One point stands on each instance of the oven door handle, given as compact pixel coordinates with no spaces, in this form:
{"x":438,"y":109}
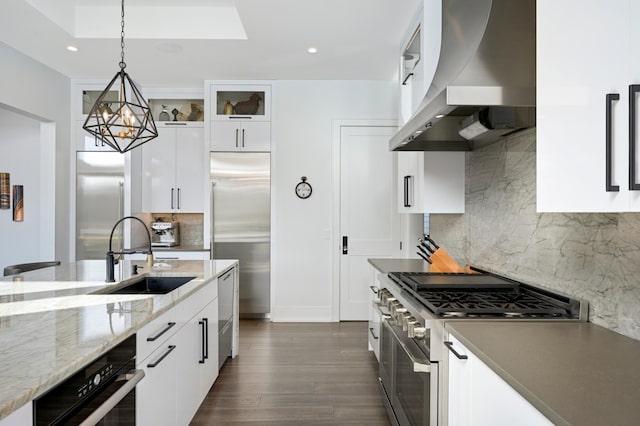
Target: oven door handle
{"x":420,"y":364}
{"x":132,"y":378}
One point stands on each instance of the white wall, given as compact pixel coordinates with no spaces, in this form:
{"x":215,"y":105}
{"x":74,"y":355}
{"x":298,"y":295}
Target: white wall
{"x":20,"y":155}
{"x":31,"y":87}
{"x":304,"y":112}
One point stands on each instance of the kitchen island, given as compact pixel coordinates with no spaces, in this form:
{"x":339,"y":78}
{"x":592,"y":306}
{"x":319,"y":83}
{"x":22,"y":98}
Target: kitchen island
{"x":53,"y":321}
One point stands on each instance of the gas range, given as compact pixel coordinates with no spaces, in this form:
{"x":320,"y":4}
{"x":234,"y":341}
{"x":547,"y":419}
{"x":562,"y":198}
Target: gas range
{"x":414,"y":307}
{"x":485,"y":296}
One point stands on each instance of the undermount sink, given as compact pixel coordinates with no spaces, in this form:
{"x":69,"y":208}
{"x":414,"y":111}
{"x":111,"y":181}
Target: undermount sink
{"x":151,"y":285}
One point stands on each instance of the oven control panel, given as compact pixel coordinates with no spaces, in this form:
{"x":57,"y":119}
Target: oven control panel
{"x":93,"y":380}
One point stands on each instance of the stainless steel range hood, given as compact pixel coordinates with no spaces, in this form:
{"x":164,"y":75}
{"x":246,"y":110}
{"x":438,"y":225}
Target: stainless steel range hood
{"x":484,"y":83}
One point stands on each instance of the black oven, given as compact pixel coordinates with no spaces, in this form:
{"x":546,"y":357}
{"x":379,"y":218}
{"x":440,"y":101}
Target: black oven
{"x":101,"y":393}
{"x":409,"y":379}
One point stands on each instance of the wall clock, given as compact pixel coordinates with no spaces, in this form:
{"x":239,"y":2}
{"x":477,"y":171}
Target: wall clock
{"x":303,"y":189}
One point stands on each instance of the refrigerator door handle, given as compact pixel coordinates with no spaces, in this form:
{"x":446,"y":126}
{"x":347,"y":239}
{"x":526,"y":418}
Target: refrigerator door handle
{"x":213,"y":187}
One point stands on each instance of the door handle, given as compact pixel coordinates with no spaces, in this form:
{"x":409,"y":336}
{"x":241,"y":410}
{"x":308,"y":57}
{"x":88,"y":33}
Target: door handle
{"x":345,"y":245}
{"x":610,"y":98}
{"x":243,"y":138}
{"x":456,"y":353}
{"x":172,"y":190}
{"x":178,"y":198}
{"x":236,"y":138}
{"x":633,"y":89}
{"x":206,"y":337}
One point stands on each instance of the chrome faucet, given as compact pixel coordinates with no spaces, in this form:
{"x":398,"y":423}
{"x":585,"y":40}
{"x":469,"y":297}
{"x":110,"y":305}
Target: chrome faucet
{"x":111,"y":260}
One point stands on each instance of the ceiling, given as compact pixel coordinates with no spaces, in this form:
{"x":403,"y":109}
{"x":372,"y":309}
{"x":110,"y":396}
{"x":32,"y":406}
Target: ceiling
{"x":180,"y":46}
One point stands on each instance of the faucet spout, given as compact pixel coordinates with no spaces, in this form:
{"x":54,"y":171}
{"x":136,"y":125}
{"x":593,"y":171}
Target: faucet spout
{"x":110,"y":254}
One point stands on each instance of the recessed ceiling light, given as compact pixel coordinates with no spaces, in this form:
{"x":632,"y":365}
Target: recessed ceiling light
{"x":72,"y":48}
{"x":312,"y":50}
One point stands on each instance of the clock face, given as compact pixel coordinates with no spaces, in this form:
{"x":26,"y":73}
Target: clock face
{"x":303,"y":190}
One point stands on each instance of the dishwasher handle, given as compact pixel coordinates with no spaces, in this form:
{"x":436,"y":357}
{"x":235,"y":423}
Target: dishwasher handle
{"x":132,"y":378}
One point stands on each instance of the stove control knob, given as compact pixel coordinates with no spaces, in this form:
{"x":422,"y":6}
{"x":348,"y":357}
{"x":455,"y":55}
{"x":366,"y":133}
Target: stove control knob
{"x":406,"y":321}
{"x":419,"y":333}
{"x":398,"y":313}
{"x":392,"y":305}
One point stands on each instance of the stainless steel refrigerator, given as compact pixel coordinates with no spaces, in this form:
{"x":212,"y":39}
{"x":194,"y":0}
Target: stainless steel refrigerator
{"x":241,"y":222}
{"x":99,"y":202}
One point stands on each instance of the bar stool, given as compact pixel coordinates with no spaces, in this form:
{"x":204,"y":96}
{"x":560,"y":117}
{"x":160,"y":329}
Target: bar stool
{"x":25,"y":267}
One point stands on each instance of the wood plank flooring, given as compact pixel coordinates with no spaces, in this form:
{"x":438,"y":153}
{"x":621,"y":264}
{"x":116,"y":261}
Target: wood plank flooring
{"x":303,"y":374}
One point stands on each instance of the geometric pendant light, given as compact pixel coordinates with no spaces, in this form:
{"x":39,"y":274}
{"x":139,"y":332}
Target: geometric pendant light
{"x":124,"y":124}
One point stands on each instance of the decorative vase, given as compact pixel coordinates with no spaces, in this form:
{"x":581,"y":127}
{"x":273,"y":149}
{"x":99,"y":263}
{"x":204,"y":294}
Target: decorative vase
{"x":164,"y":115}
{"x":228,"y":108}
{"x":175,"y":113}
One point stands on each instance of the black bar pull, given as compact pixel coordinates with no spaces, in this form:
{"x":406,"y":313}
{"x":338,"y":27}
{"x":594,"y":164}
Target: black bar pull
{"x":157,"y":336}
{"x":243,"y":138}
{"x":172,"y":190}
{"x":407,"y":188}
{"x":345,"y":246}
{"x":633,"y":89}
{"x":237,"y":138}
{"x":204,"y":331}
{"x":608,"y":134}
{"x":206,"y":337}
{"x":372,"y":333}
{"x":164,"y":355}
{"x":458,"y":355}
{"x":404,"y":82}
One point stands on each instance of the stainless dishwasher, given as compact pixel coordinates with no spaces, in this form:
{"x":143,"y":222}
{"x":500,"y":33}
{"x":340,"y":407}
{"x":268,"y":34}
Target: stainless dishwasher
{"x":225,"y":315}
{"x":102,"y":392}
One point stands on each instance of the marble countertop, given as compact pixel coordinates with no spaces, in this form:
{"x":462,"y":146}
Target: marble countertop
{"x":575,"y":373}
{"x":52,"y":322}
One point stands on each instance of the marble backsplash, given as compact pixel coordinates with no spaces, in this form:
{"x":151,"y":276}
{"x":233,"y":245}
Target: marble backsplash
{"x":594,"y":257}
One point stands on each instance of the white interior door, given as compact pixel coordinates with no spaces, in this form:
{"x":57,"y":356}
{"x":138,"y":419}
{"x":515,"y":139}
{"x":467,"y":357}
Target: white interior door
{"x":369,"y":221}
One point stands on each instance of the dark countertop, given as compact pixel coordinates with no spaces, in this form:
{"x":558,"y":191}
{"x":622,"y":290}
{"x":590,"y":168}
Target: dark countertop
{"x":399,"y":265}
{"x":575,"y":373}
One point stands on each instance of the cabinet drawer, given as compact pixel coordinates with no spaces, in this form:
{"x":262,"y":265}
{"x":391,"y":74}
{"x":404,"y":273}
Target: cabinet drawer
{"x":157,"y":332}
{"x":197,"y":301}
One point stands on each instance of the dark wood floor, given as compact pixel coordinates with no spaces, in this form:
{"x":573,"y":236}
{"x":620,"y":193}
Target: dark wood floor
{"x":303,"y":374}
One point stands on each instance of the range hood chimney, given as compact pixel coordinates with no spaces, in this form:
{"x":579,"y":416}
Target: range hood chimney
{"x":483,"y":87}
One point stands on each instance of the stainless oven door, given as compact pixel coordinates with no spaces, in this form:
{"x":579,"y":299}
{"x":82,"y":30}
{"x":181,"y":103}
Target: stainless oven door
{"x":409,"y":378}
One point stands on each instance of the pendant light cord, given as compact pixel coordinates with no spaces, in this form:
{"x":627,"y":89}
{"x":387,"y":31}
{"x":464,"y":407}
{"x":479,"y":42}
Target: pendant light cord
{"x":122,"y":64}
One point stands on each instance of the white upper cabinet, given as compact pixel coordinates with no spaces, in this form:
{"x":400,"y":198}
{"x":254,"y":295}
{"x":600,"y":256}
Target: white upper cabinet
{"x":239,"y":115}
{"x":583,"y":55}
{"x":431,"y":182}
{"x":173,"y":170}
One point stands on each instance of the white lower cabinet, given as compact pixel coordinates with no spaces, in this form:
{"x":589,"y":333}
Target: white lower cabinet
{"x":478,"y":396}
{"x":374,"y":316}
{"x":183,"y":360}
{"x":22,"y":416}
{"x":156,"y":394}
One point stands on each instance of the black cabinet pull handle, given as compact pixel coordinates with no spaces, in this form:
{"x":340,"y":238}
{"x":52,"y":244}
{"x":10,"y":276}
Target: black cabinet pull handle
{"x":404,"y":82}
{"x":408,"y":191}
{"x":633,"y":89}
{"x":345,"y":246}
{"x":157,"y":336}
{"x":172,"y":190}
{"x":236,"y":138}
{"x":206,"y":337}
{"x":164,"y":355}
{"x":243,"y":138}
{"x":372,"y":333}
{"x":458,"y":355}
{"x":204,"y":332}
{"x":178,"y":198}
{"x":610,"y":98}
{"x":374,"y":289}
